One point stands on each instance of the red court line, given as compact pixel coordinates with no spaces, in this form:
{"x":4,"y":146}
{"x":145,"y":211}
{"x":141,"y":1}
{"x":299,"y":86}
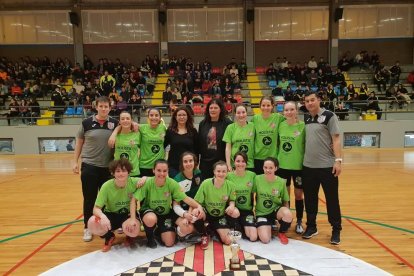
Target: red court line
{"x":198,"y":263}
{"x":179,"y":256}
{"x":386,"y":248}
{"x":17,"y":265}
{"x":389,"y":250}
{"x":219,"y":262}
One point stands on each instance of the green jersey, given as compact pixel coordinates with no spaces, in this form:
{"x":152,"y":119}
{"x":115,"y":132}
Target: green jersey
{"x":243,"y":186}
{"x":151,"y":145}
{"x":126,"y":146}
{"x":159,"y":199}
{"x":269,"y":195}
{"x":241,"y":138}
{"x":214,"y":199}
{"x":265,"y":144}
{"x":114,"y":199}
{"x":292,"y":145}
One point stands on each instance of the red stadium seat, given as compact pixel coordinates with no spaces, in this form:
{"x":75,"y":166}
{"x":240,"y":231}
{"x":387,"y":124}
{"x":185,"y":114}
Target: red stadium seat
{"x":171,"y":72}
{"x":260,"y":70}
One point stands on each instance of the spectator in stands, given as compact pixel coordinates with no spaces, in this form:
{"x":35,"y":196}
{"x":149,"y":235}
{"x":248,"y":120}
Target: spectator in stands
{"x":167,"y":96}
{"x":4,"y":92}
{"x":181,"y":136}
{"x":401,"y":88}
{"x":283,"y":84}
{"x":59,"y":104}
{"x":121,"y":105}
{"x":24,"y":111}
{"x":16,"y":90}
{"x":216,"y":89}
{"x":410,"y":79}
{"x":34,"y":110}
{"x":87,"y":106}
{"x":380,"y":81}
{"x":14,"y":110}
{"x":3,"y":74}
{"x":284,"y":63}
{"x":302,"y":79}
{"x":164,"y":63}
{"x":395,"y":71}
{"x":373,"y":104}
{"x":211,"y":132}
{"x":136,"y":104}
{"x":375,"y":60}
{"x":351,"y":89}
{"x":150,"y":83}
{"x":312,"y":64}
{"x":106,"y":83}
{"x":243,"y":70}
{"x":339,"y":78}
{"x":312,"y":77}
{"x":344,"y":64}
{"x":79,"y":87}
{"x":271,"y":72}
{"x":341,"y":107}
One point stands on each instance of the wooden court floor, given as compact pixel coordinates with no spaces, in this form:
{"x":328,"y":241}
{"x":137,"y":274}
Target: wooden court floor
{"x":41,"y":203}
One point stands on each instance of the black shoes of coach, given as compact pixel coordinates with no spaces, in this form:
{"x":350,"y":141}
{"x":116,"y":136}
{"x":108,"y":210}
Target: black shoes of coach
{"x":310,"y":232}
{"x":336,"y":237}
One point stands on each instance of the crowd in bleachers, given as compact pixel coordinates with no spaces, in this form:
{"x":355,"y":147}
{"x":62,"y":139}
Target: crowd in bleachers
{"x":74,"y":89}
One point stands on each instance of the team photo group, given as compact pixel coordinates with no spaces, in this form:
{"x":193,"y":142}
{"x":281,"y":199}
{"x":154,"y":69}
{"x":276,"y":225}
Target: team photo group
{"x":179,"y":183}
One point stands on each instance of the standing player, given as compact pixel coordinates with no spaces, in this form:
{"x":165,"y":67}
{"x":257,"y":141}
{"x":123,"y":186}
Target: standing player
{"x":243,"y":184}
{"x":321,"y":165}
{"x":152,"y":142}
{"x":266,"y":127}
{"x":239,"y":136}
{"x":91,"y":145}
{"x":291,"y":151}
{"x":272,"y":202}
{"x":126,"y":143}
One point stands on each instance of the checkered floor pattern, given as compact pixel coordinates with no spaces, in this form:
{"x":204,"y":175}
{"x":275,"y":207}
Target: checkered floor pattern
{"x":252,"y":265}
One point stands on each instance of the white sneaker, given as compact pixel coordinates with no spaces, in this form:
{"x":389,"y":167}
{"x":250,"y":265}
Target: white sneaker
{"x":299,"y":228}
{"x":87,"y":235}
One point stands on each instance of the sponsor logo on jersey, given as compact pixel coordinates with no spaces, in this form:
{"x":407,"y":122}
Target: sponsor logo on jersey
{"x":225,"y":197}
{"x":275,"y":192}
{"x":249,"y":184}
{"x":321,"y":119}
{"x":296,"y":133}
{"x":197,"y":180}
{"x":287,"y":146}
{"x":222,"y":221}
{"x":267,"y":204}
{"x":167,"y":194}
{"x":266,"y":140}
{"x":215,"y":212}
{"x":111,"y":125}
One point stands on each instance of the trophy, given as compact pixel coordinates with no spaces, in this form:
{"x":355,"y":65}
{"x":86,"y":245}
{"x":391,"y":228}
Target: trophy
{"x":235,"y":247}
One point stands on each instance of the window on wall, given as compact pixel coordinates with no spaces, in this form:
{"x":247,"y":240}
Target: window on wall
{"x":6,"y":146}
{"x":205,"y":25}
{"x":376,"y":21}
{"x":120,"y":26}
{"x":307,"y":23}
{"x":51,"y":27}
{"x":57,"y":145}
{"x":362,"y":140}
{"x":409,"y":139}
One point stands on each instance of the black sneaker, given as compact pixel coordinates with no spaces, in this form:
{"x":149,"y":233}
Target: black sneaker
{"x":151,"y":243}
{"x":310,"y":232}
{"x":336,"y":237}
